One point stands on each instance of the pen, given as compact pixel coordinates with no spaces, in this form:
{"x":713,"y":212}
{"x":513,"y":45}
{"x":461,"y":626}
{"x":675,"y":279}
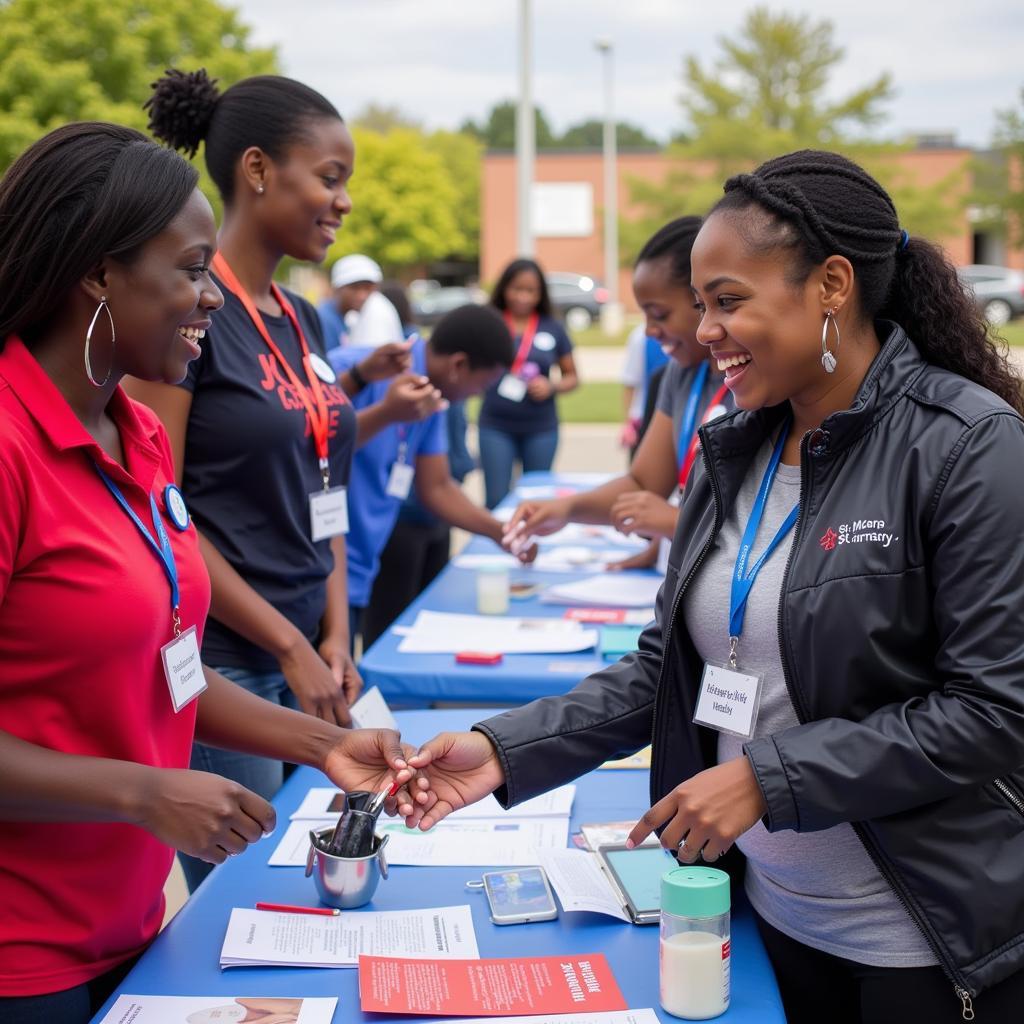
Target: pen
{"x":284,"y":908}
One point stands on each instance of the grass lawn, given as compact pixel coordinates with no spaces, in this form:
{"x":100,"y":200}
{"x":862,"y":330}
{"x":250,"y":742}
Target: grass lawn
{"x":1013,"y":332}
{"x":597,"y":402}
{"x":594,"y":337}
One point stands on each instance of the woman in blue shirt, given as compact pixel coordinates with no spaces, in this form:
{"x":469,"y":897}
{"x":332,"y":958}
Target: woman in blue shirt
{"x":518,"y":418}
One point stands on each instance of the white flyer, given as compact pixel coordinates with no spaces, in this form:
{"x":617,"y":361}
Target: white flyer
{"x":259,"y":938}
{"x":220,"y":1010}
{"x":321,"y":802}
{"x":449,"y":633}
{"x":372,"y":712}
{"x":580,"y":884}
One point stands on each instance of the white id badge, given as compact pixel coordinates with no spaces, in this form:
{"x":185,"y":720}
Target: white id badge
{"x":400,"y":480}
{"x":729,"y":700}
{"x":513,"y":388}
{"x":328,"y":513}
{"x":183,"y":668}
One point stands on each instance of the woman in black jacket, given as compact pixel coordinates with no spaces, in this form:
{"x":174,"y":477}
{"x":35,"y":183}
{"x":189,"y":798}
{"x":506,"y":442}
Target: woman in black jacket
{"x":849,"y":554}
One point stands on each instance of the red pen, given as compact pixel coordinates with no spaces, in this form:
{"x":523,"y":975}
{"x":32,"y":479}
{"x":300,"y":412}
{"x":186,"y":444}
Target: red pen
{"x":284,"y":908}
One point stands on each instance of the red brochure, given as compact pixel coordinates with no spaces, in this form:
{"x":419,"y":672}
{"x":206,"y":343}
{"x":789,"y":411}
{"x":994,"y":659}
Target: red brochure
{"x":488,"y":988}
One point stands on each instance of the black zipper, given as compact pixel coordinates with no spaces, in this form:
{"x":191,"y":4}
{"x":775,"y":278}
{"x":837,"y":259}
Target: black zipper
{"x":716,"y":526}
{"x":960,"y":985}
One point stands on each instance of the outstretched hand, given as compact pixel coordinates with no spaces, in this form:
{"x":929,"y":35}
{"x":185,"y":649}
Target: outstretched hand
{"x":460,"y":768}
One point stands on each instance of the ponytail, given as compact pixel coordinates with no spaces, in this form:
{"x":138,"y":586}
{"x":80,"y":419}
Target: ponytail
{"x":821,"y":204}
{"x":927,"y":299}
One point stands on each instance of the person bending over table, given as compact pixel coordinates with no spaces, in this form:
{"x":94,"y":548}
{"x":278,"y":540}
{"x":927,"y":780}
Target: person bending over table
{"x":645,"y":500}
{"x":851,"y":547}
{"x":105,"y":250}
{"x":468,"y":350}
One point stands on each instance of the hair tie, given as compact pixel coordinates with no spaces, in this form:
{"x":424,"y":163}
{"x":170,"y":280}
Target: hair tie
{"x":904,"y":240}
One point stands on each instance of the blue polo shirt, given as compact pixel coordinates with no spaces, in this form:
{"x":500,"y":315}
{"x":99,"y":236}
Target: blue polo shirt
{"x":333,"y":324}
{"x":372,"y":512}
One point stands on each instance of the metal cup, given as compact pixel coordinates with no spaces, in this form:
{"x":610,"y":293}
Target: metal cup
{"x":345,"y":882}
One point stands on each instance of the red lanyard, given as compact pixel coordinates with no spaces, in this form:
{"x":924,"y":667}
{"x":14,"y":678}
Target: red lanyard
{"x":691,"y":452}
{"x":312,"y":397}
{"x":527,"y":340}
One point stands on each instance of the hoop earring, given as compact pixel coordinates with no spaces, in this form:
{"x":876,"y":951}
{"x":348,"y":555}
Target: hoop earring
{"x":828,"y":358}
{"x":88,"y":340}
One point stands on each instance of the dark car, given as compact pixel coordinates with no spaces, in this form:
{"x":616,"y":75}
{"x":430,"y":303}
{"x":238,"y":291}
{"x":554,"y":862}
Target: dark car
{"x":998,"y":291}
{"x":576,"y":298}
{"x":430,"y":305}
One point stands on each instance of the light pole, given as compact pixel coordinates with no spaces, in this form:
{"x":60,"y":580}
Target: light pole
{"x":525,"y":135}
{"x":611,"y":312}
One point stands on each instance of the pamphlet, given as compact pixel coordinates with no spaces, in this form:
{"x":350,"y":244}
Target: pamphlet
{"x":259,"y":938}
{"x":220,"y":1010}
{"x":490,"y":988}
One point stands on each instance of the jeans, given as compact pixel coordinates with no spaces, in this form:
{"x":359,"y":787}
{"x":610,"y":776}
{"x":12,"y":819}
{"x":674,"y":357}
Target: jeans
{"x":817,"y":987}
{"x":75,"y":1005}
{"x":499,"y":451}
{"x":259,"y":774}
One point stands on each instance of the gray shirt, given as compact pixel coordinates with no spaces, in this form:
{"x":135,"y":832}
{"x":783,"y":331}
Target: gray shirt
{"x":820,"y":888}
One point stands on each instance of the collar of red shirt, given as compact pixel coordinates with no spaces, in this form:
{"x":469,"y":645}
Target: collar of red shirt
{"x":47,"y":406}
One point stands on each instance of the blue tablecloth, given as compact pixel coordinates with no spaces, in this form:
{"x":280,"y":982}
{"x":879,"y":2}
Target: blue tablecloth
{"x":417,"y":680}
{"x":185,"y":956}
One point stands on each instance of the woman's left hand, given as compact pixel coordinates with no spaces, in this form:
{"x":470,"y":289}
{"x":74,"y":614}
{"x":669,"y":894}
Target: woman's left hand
{"x":710,"y":812}
{"x":335,"y":652}
{"x":540,"y":389}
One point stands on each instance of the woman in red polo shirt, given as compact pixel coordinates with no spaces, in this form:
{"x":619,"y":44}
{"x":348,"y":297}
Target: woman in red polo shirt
{"x":105,"y":248}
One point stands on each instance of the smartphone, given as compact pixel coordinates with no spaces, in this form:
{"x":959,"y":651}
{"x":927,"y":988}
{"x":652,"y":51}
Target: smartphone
{"x":635,"y":876}
{"x":518,"y":897}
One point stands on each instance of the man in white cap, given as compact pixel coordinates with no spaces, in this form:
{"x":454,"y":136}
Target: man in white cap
{"x":356,"y":313}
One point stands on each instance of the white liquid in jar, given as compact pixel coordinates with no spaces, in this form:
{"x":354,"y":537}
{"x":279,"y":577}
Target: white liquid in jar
{"x":694,"y":975}
{"x":492,"y":593}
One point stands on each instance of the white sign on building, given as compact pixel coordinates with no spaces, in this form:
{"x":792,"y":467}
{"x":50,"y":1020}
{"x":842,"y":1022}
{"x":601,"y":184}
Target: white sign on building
{"x":563,"y":209}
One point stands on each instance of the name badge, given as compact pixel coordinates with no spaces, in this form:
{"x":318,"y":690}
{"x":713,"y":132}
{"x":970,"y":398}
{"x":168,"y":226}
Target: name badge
{"x":729,"y":700}
{"x":328,"y":513}
{"x":183,"y":668}
{"x":400,"y":480}
{"x":513,"y":388}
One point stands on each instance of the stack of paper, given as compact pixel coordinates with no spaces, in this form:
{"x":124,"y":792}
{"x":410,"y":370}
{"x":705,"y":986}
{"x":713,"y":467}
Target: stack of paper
{"x":448,"y":633}
{"x":481,"y":835}
{"x":614,"y":590}
{"x":259,"y":938}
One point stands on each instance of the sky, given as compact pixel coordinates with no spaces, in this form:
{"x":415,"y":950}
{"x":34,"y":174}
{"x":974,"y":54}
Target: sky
{"x":442,"y":61}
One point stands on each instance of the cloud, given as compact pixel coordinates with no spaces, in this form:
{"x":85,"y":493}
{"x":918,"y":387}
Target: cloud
{"x":445,"y":60}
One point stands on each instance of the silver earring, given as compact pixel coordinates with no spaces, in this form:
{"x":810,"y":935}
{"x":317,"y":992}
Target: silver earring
{"x":828,"y":358}
{"x":259,"y":190}
{"x":88,"y":340}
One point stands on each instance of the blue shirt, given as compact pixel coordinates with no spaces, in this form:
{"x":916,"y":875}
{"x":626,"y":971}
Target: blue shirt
{"x":333,"y":324}
{"x":372,"y":512}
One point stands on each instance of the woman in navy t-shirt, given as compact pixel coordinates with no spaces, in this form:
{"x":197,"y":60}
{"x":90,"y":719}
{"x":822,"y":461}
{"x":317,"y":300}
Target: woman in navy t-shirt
{"x":518,"y":418}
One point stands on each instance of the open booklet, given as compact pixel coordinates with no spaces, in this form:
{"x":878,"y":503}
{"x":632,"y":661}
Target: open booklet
{"x":258,"y":938}
{"x":220,"y":1010}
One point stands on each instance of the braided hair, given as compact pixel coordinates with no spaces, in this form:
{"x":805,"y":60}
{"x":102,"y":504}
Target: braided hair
{"x":814,"y":204}
{"x":673,"y":240}
{"x":267,"y":111}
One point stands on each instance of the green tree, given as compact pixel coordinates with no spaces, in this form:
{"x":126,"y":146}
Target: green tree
{"x":590,"y":135}
{"x":383,"y":118}
{"x":998,"y":194}
{"x":95,"y":59}
{"x":499,"y":130}
{"x":462,"y":154}
{"x":766,"y":94}
{"x":404,"y":201}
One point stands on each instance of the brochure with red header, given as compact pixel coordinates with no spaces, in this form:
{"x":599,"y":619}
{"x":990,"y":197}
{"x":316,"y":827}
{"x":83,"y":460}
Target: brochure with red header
{"x":488,"y":988}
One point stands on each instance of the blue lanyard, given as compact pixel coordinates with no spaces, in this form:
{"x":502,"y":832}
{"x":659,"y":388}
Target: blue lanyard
{"x":689,"y":421}
{"x":743,"y":577}
{"x":162,"y":549}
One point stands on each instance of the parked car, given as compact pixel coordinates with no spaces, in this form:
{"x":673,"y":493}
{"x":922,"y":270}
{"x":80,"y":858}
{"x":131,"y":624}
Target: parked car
{"x":429,"y":306}
{"x":998,"y":291}
{"x":577,"y":298}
